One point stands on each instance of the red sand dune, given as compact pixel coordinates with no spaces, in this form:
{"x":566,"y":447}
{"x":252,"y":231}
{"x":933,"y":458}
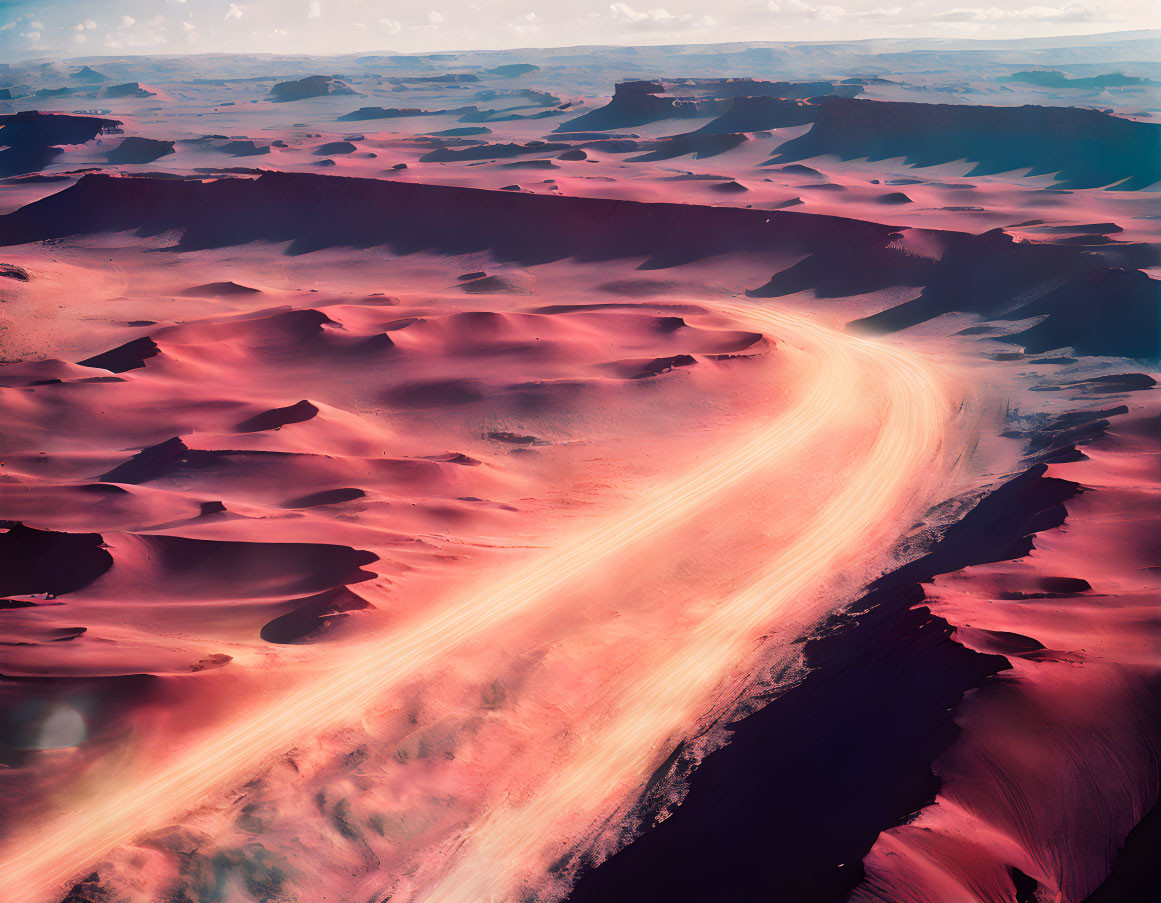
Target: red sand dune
{"x":619,"y":535}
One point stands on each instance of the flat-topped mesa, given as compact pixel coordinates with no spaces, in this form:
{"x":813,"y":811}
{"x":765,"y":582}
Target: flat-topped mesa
{"x":311,"y":86}
{"x":1082,"y":148}
{"x":637,"y":88}
{"x":32,"y":128}
{"x":537,"y":98}
{"x":638,"y":103}
{"x":513,"y":70}
{"x":1049,"y":78}
{"x":128,"y":90}
{"x":364,"y":113}
{"x":140,"y":150}
{"x":32,"y":140}
{"x":759,"y":113}
{"x":315,"y":211}
{"x":726,"y":88}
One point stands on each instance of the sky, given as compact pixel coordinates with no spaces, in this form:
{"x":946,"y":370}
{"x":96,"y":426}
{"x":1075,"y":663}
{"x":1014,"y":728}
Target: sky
{"x":77,"y":28}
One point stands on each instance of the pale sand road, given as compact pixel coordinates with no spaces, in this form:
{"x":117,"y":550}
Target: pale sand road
{"x":653,"y":712}
{"x":46,"y":857}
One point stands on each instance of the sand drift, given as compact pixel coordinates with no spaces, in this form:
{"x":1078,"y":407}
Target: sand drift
{"x":636,"y":723}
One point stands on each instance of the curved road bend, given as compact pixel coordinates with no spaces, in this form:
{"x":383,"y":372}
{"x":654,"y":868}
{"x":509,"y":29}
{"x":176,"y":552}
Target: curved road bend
{"x":651,"y":712}
{"x":41,"y":863}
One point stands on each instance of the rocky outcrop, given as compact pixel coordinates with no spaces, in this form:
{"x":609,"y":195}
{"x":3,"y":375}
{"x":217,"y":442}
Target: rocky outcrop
{"x":311,"y":86}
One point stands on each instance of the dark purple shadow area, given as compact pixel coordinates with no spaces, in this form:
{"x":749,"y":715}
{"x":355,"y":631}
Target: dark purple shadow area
{"x":1084,"y":148}
{"x":1094,"y":307}
{"x":44,"y":561}
{"x":1136,"y":875}
{"x":789,"y":807}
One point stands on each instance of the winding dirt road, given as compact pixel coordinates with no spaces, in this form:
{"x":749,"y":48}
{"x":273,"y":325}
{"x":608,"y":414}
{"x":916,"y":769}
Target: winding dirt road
{"x":644,"y":716}
{"x":652,"y":714}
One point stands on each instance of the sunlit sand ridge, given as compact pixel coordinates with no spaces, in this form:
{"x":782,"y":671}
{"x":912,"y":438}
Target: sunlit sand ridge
{"x":648,"y":712}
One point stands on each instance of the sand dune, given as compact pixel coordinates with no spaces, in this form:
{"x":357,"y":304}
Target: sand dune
{"x":242,"y":747}
{"x":603,"y":473}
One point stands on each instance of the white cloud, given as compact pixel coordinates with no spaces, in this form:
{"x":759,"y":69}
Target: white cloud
{"x":799,"y":9}
{"x":525,"y":24}
{"x":188,"y":26}
{"x":80,"y":38}
{"x":323,"y":25}
{"x":625,"y":11}
{"x":1070,"y":12}
{"x":131,"y":33}
{"x":658,"y":17}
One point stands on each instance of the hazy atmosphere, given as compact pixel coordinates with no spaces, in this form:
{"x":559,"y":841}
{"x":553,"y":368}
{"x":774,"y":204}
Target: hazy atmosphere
{"x":79,"y":28}
{"x":585,"y":452}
